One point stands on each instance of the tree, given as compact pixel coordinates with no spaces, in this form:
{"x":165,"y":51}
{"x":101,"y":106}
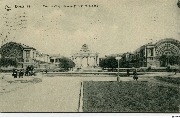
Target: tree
{"x":102,"y":64}
{"x":66,"y":63}
{"x":5,"y":62}
{"x":171,"y":60}
{"x":178,"y":4}
{"x":162,"y":60}
{"x":109,"y":62}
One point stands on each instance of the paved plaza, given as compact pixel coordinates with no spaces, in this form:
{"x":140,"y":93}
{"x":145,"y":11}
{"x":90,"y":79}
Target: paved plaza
{"x":53,"y":94}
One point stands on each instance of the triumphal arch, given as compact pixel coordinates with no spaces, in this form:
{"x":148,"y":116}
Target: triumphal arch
{"x":85,"y":58}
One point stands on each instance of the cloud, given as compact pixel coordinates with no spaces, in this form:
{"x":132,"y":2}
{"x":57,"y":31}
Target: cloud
{"x":113,"y":27}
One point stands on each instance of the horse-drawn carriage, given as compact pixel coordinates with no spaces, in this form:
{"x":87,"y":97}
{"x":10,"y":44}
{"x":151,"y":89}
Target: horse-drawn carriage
{"x":29,"y":71}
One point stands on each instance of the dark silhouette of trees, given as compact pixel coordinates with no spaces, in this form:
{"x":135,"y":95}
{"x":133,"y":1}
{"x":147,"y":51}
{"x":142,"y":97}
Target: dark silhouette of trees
{"x":170,"y":60}
{"x":108,"y":62}
{"x":5,"y":62}
{"x":66,"y":63}
{"x":178,"y":4}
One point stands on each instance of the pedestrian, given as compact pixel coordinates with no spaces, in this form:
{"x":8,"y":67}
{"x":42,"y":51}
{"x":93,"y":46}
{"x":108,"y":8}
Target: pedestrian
{"x":27,"y":71}
{"x":135,"y":75}
{"x":21,"y":73}
{"x":15,"y":73}
{"x":128,"y":72}
{"x":175,"y":71}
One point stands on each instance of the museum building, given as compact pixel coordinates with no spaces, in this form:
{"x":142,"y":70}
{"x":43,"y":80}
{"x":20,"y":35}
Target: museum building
{"x":165,"y":52}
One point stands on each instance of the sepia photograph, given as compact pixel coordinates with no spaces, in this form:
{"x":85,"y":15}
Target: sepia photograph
{"x":90,"y":56}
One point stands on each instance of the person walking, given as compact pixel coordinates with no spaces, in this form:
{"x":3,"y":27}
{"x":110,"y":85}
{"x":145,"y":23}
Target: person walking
{"x":175,"y":71}
{"x":128,"y":74}
{"x":135,"y":75}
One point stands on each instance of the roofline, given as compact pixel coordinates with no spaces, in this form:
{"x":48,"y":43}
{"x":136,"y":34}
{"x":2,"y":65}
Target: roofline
{"x":20,"y":45}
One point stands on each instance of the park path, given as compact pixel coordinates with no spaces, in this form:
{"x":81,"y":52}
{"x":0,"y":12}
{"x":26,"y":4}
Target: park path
{"x":53,"y":94}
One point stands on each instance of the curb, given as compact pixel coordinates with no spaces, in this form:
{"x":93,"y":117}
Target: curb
{"x":80,"y":104}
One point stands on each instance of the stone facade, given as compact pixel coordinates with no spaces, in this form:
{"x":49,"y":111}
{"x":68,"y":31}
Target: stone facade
{"x":55,"y":61}
{"x":149,"y":54}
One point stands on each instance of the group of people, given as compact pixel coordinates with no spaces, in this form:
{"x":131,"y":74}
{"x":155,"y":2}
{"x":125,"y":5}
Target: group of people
{"x":20,"y":73}
{"x":17,"y":73}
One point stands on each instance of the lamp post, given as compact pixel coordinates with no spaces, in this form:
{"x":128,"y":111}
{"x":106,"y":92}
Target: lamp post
{"x":118,"y":78}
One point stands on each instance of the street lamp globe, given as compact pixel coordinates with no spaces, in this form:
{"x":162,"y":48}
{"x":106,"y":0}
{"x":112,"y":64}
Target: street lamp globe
{"x":118,"y":58}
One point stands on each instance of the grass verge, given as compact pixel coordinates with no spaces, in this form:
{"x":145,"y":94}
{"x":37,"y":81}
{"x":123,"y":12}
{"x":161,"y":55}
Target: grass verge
{"x":173,"y":80}
{"x":103,"y":96}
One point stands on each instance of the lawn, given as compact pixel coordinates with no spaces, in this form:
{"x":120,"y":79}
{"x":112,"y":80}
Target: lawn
{"x":173,"y":80}
{"x":103,"y":96}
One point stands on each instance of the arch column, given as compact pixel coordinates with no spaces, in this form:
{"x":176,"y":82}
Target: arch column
{"x":87,"y":61}
{"x":81,"y":61}
{"x":94,"y":60}
{"x":97,"y":60}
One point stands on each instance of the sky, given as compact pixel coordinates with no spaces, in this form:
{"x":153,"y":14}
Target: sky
{"x":115,"y":26}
